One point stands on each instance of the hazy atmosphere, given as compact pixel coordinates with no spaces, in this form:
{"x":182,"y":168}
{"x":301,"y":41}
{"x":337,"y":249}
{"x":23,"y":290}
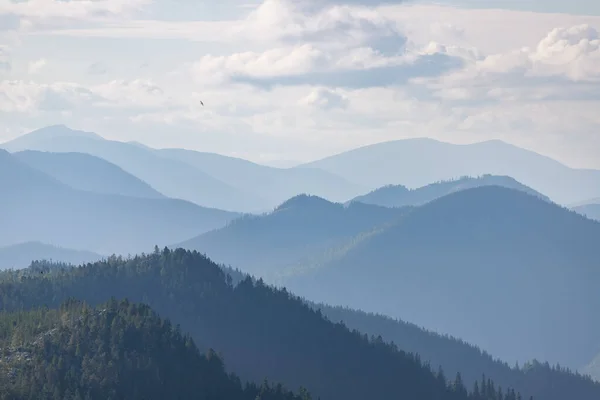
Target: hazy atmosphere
{"x":299,"y":200}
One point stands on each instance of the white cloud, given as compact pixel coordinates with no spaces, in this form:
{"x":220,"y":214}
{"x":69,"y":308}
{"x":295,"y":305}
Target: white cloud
{"x":572,"y":53}
{"x":293,"y":21}
{"x":274,"y":62}
{"x":320,"y":64}
{"x":36,"y":66}
{"x":325,"y":98}
{"x":564,"y":64}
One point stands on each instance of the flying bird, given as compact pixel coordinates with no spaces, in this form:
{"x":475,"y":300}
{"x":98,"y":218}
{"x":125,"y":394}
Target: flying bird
{"x":202,"y":103}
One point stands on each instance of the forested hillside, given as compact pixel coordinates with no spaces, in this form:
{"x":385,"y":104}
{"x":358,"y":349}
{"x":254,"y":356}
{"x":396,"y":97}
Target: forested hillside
{"x":261,"y":332}
{"x":118,"y":350}
{"x":537,"y":379}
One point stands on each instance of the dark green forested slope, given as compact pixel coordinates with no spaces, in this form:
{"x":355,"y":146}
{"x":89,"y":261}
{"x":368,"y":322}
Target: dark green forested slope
{"x":118,"y":350}
{"x":536,"y":379}
{"x":262,"y":332}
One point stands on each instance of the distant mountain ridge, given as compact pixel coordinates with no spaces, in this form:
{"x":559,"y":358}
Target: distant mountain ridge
{"x":591,"y":211}
{"x":37,"y":207}
{"x":435,"y":256}
{"x":219,"y":181}
{"x":170,"y":177}
{"x":21,"y":255}
{"x":418,"y":162}
{"x":401,"y":196}
{"x":294,"y":233}
{"x":89,"y":173}
{"x":49,"y":133}
{"x":275,"y":185}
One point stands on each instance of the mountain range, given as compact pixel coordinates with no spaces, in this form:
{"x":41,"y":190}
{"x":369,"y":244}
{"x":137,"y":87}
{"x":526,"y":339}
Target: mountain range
{"x":529,"y":260}
{"x":486,"y":254}
{"x":450,"y":262}
{"x":209,"y":180}
{"x":36,"y":207}
{"x":295,"y":233}
{"x":239,"y":185}
{"x":88,"y":173}
{"x":418,"y":162}
{"x":401,"y":196}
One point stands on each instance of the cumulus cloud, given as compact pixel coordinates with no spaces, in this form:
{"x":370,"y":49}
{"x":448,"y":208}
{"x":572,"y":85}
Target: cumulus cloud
{"x":274,"y":62}
{"x":571,"y":53}
{"x":336,"y":46}
{"x":565,"y":64}
{"x":295,"y":21}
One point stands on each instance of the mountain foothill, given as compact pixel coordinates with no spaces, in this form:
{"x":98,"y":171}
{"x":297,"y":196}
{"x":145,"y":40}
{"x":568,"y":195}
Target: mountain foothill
{"x":369,"y":274}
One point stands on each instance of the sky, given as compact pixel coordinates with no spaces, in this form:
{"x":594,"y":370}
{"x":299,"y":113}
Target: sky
{"x":295,"y":80}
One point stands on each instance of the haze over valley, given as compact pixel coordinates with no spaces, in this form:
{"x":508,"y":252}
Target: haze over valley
{"x":299,"y":200}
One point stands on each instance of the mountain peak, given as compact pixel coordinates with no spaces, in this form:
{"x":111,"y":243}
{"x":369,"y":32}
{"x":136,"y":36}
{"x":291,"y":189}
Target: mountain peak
{"x":304,"y":200}
{"x":61,"y":130}
{"x":400,"y":196}
{"x":33,"y":139}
